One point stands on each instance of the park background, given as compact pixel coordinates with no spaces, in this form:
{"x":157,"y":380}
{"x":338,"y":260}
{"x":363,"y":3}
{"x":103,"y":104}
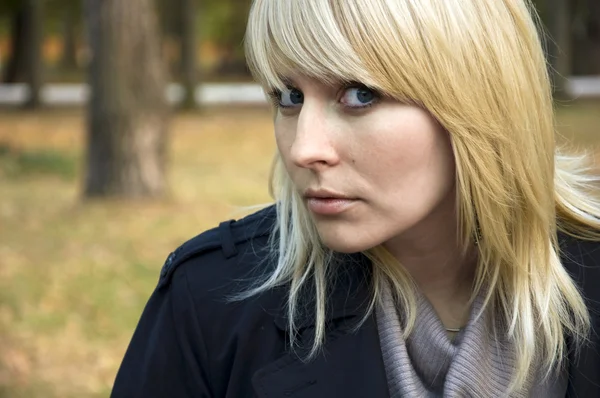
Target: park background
{"x":85,"y":225}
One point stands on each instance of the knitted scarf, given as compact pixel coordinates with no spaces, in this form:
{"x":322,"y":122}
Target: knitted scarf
{"x":474,"y":364}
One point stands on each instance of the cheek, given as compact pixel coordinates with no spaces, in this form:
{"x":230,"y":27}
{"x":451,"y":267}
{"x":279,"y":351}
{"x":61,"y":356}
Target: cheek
{"x":436,"y":176}
{"x":442,"y":157}
{"x":418,"y":163}
{"x":284,"y":139}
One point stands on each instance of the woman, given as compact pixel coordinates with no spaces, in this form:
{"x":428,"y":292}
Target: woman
{"x":428,"y":238}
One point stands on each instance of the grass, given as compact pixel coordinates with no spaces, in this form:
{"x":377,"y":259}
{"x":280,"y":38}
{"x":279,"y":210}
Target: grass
{"x":75,"y":275}
{"x":17,"y":164}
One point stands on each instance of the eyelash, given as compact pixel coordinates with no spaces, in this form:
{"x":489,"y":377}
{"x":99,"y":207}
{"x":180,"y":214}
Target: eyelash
{"x":275,"y":97}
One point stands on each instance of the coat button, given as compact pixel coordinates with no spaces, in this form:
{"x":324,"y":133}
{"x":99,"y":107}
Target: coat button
{"x":167,"y":266}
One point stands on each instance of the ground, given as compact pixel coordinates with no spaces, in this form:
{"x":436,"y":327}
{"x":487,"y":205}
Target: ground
{"x":75,"y":275}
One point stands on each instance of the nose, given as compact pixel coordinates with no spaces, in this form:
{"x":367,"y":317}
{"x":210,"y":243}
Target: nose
{"x":314,"y":142}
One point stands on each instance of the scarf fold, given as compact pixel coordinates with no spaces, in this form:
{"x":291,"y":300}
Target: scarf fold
{"x":475,"y":364}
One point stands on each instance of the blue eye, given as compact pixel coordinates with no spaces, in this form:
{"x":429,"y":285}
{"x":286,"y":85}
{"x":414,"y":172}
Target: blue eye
{"x":358,"y":97}
{"x":290,"y":98}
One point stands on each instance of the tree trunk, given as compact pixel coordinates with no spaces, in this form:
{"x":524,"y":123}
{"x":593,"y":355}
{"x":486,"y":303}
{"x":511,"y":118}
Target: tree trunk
{"x":560,"y":46}
{"x":233,"y":62}
{"x":15,"y":66}
{"x":69,"y":53}
{"x":33,"y":50}
{"x":188,"y":52}
{"x":127,"y":112}
{"x":594,"y":36}
{"x":25,"y":62}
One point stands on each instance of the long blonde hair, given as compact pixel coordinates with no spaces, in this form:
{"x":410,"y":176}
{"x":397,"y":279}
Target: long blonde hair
{"x":478,"y":67}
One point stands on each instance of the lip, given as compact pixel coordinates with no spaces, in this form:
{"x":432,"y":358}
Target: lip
{"x":327,"y":202}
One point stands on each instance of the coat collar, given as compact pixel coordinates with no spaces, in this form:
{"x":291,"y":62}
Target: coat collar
{"x":350,"y":363}
{"x":348,"y":298}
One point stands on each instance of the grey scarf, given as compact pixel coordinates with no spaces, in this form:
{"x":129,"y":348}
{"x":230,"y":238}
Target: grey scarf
{"x":429,"y":364}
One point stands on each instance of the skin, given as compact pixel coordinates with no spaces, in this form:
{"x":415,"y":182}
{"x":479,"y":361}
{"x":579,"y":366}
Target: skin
{"x":396,"y":165}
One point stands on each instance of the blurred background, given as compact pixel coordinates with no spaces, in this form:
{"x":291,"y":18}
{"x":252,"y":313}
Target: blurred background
{"x":127,"y":127}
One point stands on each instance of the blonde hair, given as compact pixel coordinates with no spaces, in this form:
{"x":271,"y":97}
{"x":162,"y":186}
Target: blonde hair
{"x":478,"y":67}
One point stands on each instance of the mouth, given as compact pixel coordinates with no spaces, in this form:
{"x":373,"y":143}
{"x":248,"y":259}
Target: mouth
{"x":326,"y":202}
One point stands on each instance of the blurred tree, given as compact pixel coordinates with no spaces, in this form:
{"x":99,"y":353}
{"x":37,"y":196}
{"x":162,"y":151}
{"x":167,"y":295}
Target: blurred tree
{"x":167,"y":17}
{"x":25,"y":62}
{"x":127,"y":113}
{"x":178,"y":21}
{"x":560,"y":29}
{"x":586,"y":37}
{"x":65,"y":17}
{"x":13,"y":71}
{"x":594,"y":33}
{"x":224,"y":22}
{"x":71,"y":18}
{"x":189,"y":48}
{"x":580,"y":38}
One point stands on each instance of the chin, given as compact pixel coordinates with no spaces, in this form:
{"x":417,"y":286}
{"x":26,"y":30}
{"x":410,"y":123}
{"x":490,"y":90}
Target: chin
{"x":346,"y":244}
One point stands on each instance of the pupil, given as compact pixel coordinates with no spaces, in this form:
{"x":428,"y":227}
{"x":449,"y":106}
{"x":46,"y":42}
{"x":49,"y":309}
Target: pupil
{"x":364,"y":95}
{"x":296,"y":96}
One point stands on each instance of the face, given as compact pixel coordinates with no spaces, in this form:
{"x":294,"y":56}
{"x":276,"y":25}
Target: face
{"x":371,"y":170}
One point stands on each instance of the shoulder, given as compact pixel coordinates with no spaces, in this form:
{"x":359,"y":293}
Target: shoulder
{"x":213,"y":268}
{"x":243,"y":242}
{"x":191,"y":332}
{"x":208,"y":274}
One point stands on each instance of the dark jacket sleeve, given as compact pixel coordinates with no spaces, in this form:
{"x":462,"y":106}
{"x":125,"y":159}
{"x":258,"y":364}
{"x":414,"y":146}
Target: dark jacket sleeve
{"x":166,"y":356}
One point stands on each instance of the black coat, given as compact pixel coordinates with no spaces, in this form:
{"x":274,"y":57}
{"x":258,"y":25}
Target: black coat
{"x":192,"y":342}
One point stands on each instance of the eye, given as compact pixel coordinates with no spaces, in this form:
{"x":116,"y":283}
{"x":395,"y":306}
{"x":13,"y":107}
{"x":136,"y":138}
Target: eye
{"x":290,"y":97}
{"x":358,"y":97}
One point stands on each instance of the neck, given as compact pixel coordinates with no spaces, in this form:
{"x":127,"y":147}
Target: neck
{"x":439,"y":265}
